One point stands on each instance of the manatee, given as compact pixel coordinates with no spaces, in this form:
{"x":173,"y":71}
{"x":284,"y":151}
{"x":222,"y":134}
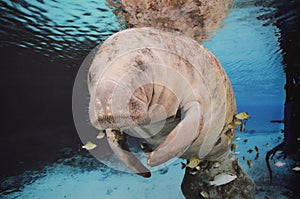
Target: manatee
{"x":164,"y":88}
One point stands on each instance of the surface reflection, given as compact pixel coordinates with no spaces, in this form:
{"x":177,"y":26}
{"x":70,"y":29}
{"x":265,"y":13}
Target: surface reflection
{"x":60,"y":30}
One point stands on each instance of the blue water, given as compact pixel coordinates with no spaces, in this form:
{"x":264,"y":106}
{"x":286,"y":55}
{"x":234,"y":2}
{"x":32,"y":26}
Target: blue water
{"x":65,"y":31}
{"x":251,"y":56}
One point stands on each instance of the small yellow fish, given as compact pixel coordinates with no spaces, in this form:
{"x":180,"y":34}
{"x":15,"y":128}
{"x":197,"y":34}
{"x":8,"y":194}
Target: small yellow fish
{"x":231,"y":125}
{"x":242,"y":116}
{"x":234,"y":146}
{"x":100,"y":135}
{"x":238,"y":122}
{"x":216,"y":164}
{"x":229,"y":140}
{"x":296,"y":169}
{"x":249,"y":163}
{"x":191,"y":163}
{"x":204,"y":194}
{"x":89,"y":146}
{"x":279,"y":164}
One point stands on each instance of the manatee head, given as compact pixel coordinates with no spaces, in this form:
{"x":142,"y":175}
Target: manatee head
{"x":117,"y":106}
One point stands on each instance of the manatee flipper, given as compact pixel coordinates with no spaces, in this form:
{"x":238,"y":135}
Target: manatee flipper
{"x":121,"y":150}
{"x":181,"y":137}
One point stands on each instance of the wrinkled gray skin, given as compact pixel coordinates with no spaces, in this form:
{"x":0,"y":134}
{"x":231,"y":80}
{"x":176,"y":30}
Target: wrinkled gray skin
{"x":164,"y":88}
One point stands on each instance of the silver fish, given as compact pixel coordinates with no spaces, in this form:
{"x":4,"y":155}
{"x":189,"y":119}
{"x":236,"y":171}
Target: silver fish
{"x":222,"y":179}
{"x":279,"y":164}
{"x":296,"y":169}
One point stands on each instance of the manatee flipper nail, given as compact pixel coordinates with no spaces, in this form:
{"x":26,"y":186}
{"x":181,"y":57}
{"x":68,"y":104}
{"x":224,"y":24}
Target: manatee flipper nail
{"x":121,"y":150}
{"x":182,"y":136}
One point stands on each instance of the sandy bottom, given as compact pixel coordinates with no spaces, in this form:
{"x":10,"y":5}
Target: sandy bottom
{"x":258,"y":171}
{"x":64,"y":180}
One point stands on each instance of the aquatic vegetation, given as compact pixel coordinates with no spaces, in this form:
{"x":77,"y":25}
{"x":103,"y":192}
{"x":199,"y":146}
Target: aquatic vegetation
{"x":197,"y":19}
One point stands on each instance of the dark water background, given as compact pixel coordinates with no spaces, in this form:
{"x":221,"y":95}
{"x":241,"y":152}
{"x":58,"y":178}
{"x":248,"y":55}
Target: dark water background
{"x":42,"y":44}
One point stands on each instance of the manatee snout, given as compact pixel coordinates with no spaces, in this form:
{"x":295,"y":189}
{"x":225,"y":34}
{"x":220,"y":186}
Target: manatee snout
{"x":114,"y":106}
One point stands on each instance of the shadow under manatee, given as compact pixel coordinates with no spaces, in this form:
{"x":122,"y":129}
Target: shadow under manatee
{"x":36,"y":113}
{"x":42,"y":45}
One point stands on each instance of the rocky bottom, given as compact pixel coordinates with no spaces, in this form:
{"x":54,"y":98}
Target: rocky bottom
{"x":195,"y":183}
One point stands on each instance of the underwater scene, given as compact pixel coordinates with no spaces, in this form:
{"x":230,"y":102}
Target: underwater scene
{"x":44,"y":48}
